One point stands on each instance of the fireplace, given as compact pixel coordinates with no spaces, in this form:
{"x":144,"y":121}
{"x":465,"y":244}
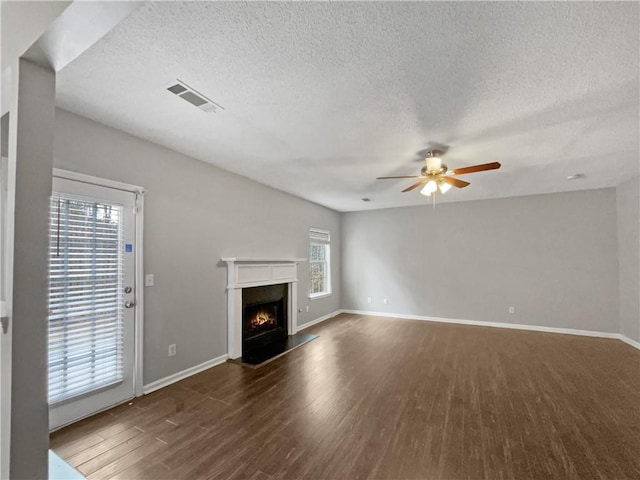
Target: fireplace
{"x":244,"y":274}
{"x":264,"y":319}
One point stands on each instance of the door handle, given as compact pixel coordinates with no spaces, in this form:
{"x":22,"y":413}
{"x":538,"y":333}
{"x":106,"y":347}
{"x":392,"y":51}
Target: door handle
{"x":129,"y":304}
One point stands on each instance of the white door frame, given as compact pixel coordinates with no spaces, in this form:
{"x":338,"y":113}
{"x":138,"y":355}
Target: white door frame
{"x":139,"y":263}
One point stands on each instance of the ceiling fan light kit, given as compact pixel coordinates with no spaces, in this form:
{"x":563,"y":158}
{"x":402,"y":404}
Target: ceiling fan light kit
{"x":429,"y":188}
{"x":443,"y":186}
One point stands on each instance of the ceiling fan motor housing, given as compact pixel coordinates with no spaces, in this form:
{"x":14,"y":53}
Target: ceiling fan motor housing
{"x":424,"y":171}
{"x":434,"y":165}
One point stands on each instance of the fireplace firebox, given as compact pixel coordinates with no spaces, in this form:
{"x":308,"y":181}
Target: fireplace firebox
{"x":264,"y":320}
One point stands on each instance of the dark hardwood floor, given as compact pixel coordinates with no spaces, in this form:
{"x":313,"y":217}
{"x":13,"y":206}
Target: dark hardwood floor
{"x":378,"y":398}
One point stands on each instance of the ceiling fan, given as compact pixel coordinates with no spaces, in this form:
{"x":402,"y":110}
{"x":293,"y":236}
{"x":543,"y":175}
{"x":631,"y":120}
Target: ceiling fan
{"x":435,"y":175}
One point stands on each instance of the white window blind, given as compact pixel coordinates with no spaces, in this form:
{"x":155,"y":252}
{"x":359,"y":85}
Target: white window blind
{"x":85,"y":296}
{"x":319,"y":236}
{"x":319,"y":264}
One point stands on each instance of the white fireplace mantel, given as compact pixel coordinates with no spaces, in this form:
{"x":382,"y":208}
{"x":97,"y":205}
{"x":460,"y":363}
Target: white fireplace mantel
{"x":245,"y":272}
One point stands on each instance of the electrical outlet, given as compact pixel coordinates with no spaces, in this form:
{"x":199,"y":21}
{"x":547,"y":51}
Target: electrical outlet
{"x":512,"y":309}
{"x":172,"y":350}
{"x":385,"y":301}
{"x":368,"y":299}
{"x":307,"y":308}
{"x":149,"y":280}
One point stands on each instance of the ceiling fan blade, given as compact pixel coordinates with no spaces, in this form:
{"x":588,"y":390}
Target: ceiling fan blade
{"x":400,"y":176}
{"x":456,"y":182}
{"x":474,"y":168}
{"x":422,"y":181}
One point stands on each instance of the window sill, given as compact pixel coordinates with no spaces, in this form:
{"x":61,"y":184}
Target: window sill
{"x":316,"y":296}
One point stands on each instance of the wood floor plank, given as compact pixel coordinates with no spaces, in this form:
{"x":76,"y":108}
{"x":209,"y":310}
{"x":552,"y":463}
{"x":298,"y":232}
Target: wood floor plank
{"x":379,"y":398}
{"x":83,"y":443}
{"x":142,"y":454}
{"x":142,"y":470}
{"x":92,"y":451}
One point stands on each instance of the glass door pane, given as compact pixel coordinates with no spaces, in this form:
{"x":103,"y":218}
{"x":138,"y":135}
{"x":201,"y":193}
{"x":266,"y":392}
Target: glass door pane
{"x":85,"y":296}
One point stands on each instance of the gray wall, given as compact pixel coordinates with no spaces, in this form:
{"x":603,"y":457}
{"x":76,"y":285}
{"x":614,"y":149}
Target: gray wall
{"x":553,"y":257}
{"x":195,"y":214}
{"x":628,"y":201}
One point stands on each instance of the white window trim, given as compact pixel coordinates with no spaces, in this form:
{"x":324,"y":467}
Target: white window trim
{"x":318,"y":296}
{"x":139,"y":263}
{"x":329,"y":292}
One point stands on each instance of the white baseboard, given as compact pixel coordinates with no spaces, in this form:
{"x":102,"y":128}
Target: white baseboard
{"x":176,"y":377}
{"x":515,"y":326}
{"x":631,"y":342}
{"x":319,"y":320}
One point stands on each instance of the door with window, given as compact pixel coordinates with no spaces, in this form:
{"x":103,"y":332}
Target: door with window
{"x":92,"y":297}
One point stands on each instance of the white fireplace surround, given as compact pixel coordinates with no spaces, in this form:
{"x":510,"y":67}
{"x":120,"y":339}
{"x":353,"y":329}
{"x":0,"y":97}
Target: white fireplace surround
{"x":245,"y":272}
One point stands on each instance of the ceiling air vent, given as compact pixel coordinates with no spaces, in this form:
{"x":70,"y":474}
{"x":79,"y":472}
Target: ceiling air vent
{"x":576,"y":176}
{"x":192,"y":96}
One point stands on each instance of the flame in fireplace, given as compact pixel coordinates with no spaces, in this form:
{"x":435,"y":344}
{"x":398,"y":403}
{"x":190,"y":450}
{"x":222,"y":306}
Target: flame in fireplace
{"x":262,"y":317}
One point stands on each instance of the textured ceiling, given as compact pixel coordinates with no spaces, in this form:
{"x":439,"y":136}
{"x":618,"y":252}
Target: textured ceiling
{"x":321,"y":98}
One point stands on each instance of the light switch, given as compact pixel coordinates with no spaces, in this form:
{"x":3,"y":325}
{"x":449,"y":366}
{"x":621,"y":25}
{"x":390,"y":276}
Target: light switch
{"x":149,"y":280}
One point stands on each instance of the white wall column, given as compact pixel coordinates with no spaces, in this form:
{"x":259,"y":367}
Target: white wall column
{"x":31,"y":131}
